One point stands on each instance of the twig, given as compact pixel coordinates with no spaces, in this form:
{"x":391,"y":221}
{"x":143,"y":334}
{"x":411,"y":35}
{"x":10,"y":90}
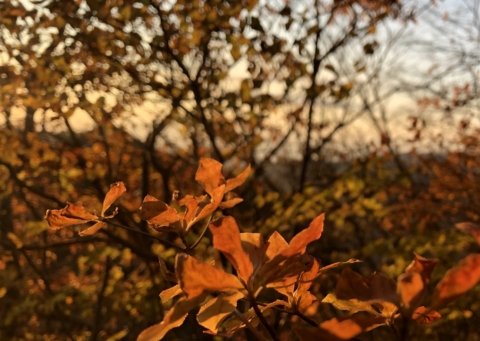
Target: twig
{"x":194,"y":245}
{"x":98,"y":310}
{"x":161,"y":240}
{"x":249,"y":325}
{"x":263,"y":320}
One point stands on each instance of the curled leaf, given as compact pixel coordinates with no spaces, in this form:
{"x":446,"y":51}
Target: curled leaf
{"x":423,"y":266}
{"x":157,"y":212}
{"x":216,"y":199}
{"x":230,"y":203}
{"x":424,"y":315}
{"x":93,"y":229}
{"x":70,"y":215}
{"x":116,"y":190}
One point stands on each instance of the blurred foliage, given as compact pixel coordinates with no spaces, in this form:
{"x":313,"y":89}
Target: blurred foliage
{"x":171,"y":64}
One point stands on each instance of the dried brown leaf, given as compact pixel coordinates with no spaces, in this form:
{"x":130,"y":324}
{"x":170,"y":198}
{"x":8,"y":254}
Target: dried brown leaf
{"x":70,"y":215}
{"x":410,"y":287}
{"x":93,"y":229}
{"x":167,"y":294}
{"x":423,"y":266}
{"x":157,"y":212}
{"x":116,"y":190}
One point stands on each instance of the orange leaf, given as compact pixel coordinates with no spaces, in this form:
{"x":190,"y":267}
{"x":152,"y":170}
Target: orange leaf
{"x":424,"y":315}
{"x":337,"y":264}
{"x":93,"y":229}
{"x":410,"y":287}
{"x":217,"y":309}
{"x":255,"y":247}
{"x":167,"y":294}
{"x":306,"y":278}
{"x":423,"y":266}
{"x":157,"y":212}
{"x":457,"y":281}
{"x":209,"y":175}
{"x":196,"y":278}
{"x":116,"y":190}
{"x":352,"y":285}
{"x":237,"y":181}
{"x":299,"y":243}
{"x":276,"y":244}
{"x":217,"y":196}
{"x":226,"y":238}
{"x":174,"y":318}
{"x":230,"y":203}
{"x":341,"y":328}
{"x":70,"y":215}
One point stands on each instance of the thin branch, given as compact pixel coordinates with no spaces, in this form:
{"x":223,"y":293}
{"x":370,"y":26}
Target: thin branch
{"x":263,"y":320}
{"x":98,"y":310}
{"x":249,"y":325}
{"x":194,"y":245}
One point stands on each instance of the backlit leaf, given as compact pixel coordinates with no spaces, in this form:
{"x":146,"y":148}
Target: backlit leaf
{"x":237,"y":181}
{"x":423,"y":266}
{"x":457,"y":281}
{"x":157,"y":212}
{"x":226,"y":238}
{"x":70,"y":215}
{"x":471,"y":228}
{"x":209,"y":175}
{"x":93,"y":229}
{"x":196,"y":278}
{"x":411,"y":289}
{"x":116,"y":190}
{"x":217,"y":196}
{"x":217,"y":309}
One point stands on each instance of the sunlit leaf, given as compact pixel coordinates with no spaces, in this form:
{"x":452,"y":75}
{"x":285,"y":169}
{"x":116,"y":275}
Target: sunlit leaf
{"x":157,"y":212}
{"x":213,"y":312}
{"x":411,"y":289}
{"x":209,"y":175}
{"x":93,"y":229}
{"x":70,"y":215}
{"x":196,"y":278}
{"x":226,"y":238}
{"x":116,"y":190}
{"x":217,"y":196}
{"x":238,"y":180}
{"x":457,"y":281}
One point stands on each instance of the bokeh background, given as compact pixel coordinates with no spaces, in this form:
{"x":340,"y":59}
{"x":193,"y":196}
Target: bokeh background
{"x":365,"y":110}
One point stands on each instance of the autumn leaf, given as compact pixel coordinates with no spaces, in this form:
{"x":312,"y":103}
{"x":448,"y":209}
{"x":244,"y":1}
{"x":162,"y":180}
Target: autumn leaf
{"x":238,"y":180}
{"x":174,"y":318}
{"x":351,"y":305}
{"x":255,"y":247}
{"x":230,"y":203}
{"x":424,"y":315}
{"x":226,"y":239}
{"x":196,"y":278}
{"x":336,"y":265}
{"x":213,"y":312}
{"x":167,"y":294}
{"x":457,"y":281}
{"x":157,"y":212}
{"x":410,"y":287}
{"x":209,"y":175}
{"x":93,"y":229}
{"x":116,"y":190}
{"x":70,"y":215}
{"x":217,"y":196}
{"x":423,"y":266}
{"x":341,"y":328}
